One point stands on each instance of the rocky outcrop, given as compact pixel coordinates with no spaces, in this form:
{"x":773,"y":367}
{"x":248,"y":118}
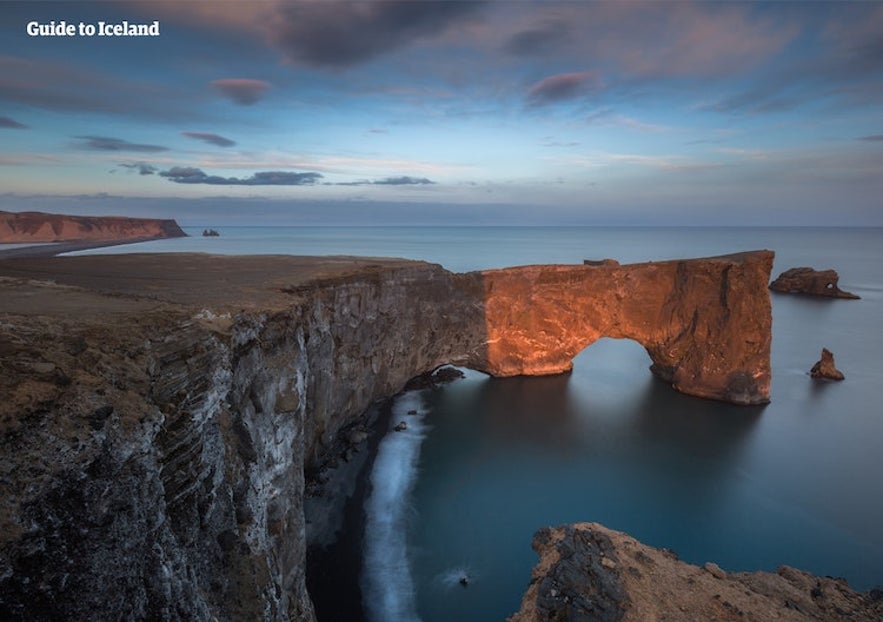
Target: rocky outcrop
{"x":809,"y":281}
{"x":22,"y":227}
{"x":825,"y":368}
{"x":159,"y":411}
{"x":589,"y":572}
{"x":704,"y":322}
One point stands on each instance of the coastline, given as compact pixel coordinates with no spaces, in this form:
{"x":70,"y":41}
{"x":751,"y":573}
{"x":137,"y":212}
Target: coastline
{"x":52,"y":249}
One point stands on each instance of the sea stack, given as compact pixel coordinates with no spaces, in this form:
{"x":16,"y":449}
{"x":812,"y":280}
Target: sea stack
{"x":809,"y":281}
{"x":825,"y":368}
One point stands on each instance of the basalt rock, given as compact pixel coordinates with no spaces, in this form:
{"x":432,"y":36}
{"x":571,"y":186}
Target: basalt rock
{"x":809,"y":281}
{"x":825,"y":367}
{"x":20,"y":227}
{"x":588,"y":572}
{"x":159,"y":411}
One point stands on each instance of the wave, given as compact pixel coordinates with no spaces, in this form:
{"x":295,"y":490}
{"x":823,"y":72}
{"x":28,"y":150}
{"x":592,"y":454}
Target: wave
{"x":387,"y":584}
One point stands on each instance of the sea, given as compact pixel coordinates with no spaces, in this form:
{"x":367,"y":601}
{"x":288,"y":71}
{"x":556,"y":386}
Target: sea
{"x":486,"y":462}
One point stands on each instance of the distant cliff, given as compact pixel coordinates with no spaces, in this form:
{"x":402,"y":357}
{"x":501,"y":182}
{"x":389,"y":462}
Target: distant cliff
{"x":19,"y":227}
{"x":159,"y":410}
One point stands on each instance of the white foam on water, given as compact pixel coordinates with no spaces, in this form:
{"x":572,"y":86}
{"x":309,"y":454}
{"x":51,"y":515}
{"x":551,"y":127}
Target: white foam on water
{"x":452,"y":577}
{"x":387,"y":584}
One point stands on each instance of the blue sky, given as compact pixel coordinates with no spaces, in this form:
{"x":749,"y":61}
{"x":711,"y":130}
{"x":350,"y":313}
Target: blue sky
{"x":508,"y":112}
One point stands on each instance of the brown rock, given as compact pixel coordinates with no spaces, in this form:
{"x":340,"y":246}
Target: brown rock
{"x":704,"y":322}
{"x":809,"y":281}
{"x":573,"y":582}
{"x":825,"y":368}
{"x":19,"y":227}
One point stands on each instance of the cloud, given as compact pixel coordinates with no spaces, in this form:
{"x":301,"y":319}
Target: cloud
{"x":69,"y":87}
{"x":105,"y":143}
{"x":562,"y":87}
{"x":242,"y":91}
{"x":142,"y":167}
{"x":213,"y":139}
{"x":192,"y":175}
{"x":6,"y":122}
{"x":404,"y":180}
{"x":534,"y":41}
{"x":342,"y":34}
{"x":873,"y":138}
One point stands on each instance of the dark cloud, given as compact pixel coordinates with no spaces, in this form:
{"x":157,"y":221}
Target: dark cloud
{"x":213,"y":139}
{"x":537,"y":40}
{"x":243,"y":91}
{"x":105,"y":143}
{"x":11,"y":124}
{"x":192,"y":175}
{"x":562,"y":87}
{"x":873,"y":138}
{"x":142,"y":168}
{"x":404,"y":180}
{"x":341,"y":34}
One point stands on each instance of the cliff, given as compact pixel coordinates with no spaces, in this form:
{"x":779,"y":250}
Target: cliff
{"x":589,"y":572}
{"x":159,"y":411}
{"x":22,"y":227}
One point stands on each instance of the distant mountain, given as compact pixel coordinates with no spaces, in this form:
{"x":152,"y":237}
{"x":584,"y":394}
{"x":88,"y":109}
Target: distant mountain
{"x":18,"y":227}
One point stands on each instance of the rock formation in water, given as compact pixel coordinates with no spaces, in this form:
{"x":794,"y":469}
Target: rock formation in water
{"x":588,"y":572}
{"x":37,"y":227}
{"x":809,"y":281}
{"x":825,"y":367}
{"x":702,"y":321}
{"x":159,"y":411}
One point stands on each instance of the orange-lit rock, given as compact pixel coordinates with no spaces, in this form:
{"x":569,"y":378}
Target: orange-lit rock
{"x":704,"y":322}
{"x":19,"y":227}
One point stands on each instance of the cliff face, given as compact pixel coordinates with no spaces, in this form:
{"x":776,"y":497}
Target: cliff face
{"x":159,"y":410}
{"x":589,"y":572}
{"x":18,"y":227}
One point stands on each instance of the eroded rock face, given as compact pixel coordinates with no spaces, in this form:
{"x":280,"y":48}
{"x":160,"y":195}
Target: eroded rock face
{"x":588,"y":572}
{"x":825,"y":367}
{"x":809,"y":281}
{"x":159,"y":411}
{"x":18,"y":227}
{"x":704,"y":322}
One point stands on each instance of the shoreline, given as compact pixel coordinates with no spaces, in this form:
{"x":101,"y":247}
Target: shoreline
{"x":52,"y":249}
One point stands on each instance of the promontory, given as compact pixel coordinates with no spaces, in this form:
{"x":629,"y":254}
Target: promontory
{"x":159,"y":410}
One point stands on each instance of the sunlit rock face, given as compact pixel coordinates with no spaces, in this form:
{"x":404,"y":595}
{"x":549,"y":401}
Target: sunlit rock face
{"x":704,"y":322}
{"x":20,"y":227}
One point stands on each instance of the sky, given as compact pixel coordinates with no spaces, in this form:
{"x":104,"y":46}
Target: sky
{"x":503,"y":112}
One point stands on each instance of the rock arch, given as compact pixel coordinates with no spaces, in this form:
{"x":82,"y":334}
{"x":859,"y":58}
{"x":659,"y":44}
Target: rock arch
{"x":706,"y":323}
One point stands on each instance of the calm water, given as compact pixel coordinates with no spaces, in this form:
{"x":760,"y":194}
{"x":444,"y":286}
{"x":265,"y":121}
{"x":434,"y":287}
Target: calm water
{"x":796,"y":482}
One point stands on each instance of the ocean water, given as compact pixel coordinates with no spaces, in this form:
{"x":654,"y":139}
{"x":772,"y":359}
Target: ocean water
{"x":489,"y":461}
